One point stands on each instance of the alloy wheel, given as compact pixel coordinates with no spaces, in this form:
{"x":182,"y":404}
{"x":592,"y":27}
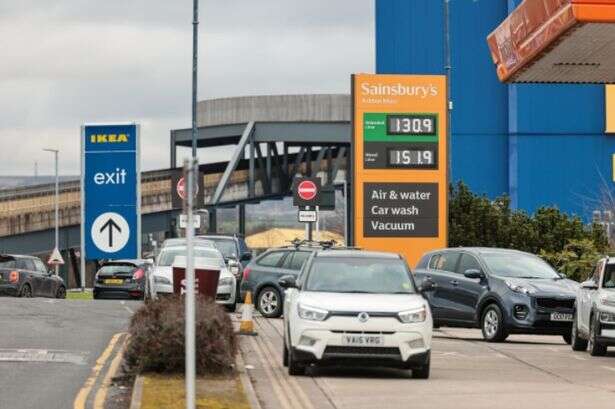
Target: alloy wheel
{"x":269,"y":302}
{"x":491,"y":323}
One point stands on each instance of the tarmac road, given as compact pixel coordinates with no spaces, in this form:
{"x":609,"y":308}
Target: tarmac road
{"x":48,"y":349}
{"x":524,"y":372}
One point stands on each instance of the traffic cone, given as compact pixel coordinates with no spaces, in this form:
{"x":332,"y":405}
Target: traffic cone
{"x":246,"y":327}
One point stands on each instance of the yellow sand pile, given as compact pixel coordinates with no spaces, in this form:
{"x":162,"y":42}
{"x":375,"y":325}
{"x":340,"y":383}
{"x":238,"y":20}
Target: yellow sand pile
{"x":282,"y":237}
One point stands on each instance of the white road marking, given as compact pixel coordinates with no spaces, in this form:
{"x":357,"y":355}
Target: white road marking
{"x":42,"y":355}
{"x":579,"y":358}
{"x":609,"y":368}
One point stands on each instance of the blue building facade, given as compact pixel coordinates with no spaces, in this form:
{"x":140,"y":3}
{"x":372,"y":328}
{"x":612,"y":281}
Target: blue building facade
{"x":540,"y":144}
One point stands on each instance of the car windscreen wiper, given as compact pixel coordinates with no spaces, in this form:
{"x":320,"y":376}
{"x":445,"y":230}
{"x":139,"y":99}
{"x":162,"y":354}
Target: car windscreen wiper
{"x":355,"y":292}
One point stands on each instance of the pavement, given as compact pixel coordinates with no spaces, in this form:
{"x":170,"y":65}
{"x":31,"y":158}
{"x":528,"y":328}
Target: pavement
{"x":52,"y":351}
{"x":526,"y":371}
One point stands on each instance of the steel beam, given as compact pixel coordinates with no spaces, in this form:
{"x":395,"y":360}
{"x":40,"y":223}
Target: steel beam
{"x":232,"y":164}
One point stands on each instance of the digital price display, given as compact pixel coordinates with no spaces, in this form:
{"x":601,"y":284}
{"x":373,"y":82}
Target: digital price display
{"x":411,"y":158}
{"x":411,"y":125}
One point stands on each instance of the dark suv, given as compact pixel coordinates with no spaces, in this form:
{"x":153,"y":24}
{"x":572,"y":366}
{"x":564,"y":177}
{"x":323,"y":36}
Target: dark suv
{"x":500,"y":291}
{"x":261,"y":276}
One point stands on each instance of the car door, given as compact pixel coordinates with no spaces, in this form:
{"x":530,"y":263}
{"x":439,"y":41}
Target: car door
{"x":48,"y":283}
{"x":442,"y":271}
{"x":294,"y":262}
{"x":36,"y":279}
{"x":269,"y":269}
{"x":468,"y":290}
{"x":584,"y":304}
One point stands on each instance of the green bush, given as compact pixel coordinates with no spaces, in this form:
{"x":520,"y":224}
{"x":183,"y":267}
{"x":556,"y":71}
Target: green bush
{"x":563,"y":240}
{"x":157,"y":338}
{"x":576,"y":260}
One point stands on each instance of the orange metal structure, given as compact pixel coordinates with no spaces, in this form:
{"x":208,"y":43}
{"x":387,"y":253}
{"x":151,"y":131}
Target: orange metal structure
{"x":556,"y":41}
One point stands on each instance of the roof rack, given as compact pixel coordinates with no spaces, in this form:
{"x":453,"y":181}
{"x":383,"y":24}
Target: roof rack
{"x":325,"y":244}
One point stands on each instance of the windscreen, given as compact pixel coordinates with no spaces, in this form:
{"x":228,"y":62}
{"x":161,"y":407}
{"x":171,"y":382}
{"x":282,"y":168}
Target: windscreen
{"x":167,"y":255}
{"x":518,"y":265}
{"x":359,"y":275}
{"x":226,"y":247}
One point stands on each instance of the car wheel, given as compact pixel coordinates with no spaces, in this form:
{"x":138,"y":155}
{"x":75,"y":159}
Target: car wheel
{"x":576,"y":342}
{"x":61,"y":292}
{"x":567,"y":338}
{"x":26,"y":291}
{"x":595,"y":348}
{"x":422,"y":372}
{"x":294,"y":368}
{"x":269,"y":302}
{"x":492,"y":324}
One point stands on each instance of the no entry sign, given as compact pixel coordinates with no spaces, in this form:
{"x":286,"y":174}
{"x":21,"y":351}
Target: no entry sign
{"x":307,"y":192}
{"x":179,"y":190}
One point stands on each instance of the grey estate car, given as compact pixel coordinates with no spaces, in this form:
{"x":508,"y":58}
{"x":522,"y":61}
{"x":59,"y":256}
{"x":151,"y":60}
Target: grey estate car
{"x":262,"y":274}
{"x":500,"y":291}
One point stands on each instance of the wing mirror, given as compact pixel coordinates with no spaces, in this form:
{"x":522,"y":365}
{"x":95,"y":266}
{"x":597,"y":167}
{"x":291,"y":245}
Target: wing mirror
{"x":427,"y":286}
{"x":288,"y":281}
{"x":589,"y":285}
{"x":233,"y":266}
{"x":246,"y":256}
{"x":473,"y":273}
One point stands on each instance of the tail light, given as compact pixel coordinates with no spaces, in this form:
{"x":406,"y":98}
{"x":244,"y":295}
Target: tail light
{"x":139,"y":274}
{"x":14,"y":277}
{"x":246,"y":273}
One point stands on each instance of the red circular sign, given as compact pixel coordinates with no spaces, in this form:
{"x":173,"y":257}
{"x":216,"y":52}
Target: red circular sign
{"x":307,"y":190}
{"x":181,"y":188}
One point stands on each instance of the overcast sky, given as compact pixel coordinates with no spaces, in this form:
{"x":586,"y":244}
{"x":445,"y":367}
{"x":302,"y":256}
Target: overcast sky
{"x":67,"y":62}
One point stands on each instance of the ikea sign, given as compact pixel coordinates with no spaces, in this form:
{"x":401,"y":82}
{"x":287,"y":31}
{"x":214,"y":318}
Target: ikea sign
{"x":110,"y":191}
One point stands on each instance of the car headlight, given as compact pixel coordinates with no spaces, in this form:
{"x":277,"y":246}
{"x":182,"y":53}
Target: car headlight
{"x":519,"y":288}
{"x":161,"y":280}
{"x":411,"y":316}
{"x":225,"y":281}
{"x":607,"y":317}
{"x":312,"y":313}
{"x":606,"y":300}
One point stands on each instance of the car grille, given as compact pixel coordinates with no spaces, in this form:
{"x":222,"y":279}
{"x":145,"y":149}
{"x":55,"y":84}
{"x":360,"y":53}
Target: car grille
{"x":362,"y":350}
{"x":555,"y":303}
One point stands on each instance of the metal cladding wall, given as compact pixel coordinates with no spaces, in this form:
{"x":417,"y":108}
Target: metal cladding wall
{"x":541,"y":144}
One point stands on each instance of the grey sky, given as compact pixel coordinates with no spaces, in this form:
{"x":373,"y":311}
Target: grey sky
{"x":73,"y":61}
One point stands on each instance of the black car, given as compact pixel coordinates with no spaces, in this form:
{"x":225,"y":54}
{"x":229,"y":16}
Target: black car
{"x":261,"y":276}
{"x":123,"y":279}
{"x":235,"y":251}
{"x":27,"y":276}
{"x":500,"y":291}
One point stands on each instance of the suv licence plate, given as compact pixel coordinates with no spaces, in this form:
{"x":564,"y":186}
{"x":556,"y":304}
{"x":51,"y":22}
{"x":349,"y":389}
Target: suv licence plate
{"x":363,"y":340}
{"x":114,"y":281}
{"x":559,"y":316}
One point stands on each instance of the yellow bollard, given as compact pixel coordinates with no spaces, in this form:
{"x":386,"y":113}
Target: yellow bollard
{"x":246,"y":327}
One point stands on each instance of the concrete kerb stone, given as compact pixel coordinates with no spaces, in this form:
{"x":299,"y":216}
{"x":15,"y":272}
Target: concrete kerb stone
{"x":137,"y":393}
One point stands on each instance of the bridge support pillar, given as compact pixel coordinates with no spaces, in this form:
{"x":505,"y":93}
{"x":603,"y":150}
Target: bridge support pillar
{"x":213,"y":227}
{"x":241,"y":219}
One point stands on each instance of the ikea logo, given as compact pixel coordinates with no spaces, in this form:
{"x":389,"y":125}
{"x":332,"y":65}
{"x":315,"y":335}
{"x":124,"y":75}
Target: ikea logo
{"x":109,"y":138}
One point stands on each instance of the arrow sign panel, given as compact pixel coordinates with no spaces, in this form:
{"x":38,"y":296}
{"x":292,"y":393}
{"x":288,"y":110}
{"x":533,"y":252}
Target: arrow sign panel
{"x":110,"y":232}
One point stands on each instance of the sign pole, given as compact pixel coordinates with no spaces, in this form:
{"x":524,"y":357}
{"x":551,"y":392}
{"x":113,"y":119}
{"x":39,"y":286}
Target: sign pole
{"x":82,"y":225}
{"x":317,"y":223}
{"x":189,"y":300}
{"x":307,"y":227}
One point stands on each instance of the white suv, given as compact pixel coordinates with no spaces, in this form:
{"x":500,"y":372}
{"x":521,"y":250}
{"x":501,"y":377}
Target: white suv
{"x":594,"y":320}
{"x":351,"y":306}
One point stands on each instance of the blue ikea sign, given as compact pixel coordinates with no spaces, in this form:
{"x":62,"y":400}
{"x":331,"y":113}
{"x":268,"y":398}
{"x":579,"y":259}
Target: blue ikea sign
{"x":110,"y":191}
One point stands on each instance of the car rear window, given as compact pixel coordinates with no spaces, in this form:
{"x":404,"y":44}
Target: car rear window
{"x":116,"y":269}
{"x":7,"y":262}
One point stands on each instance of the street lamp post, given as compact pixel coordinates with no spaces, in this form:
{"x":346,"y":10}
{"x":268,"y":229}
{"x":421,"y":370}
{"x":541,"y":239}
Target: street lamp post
{"x":57,"y":202}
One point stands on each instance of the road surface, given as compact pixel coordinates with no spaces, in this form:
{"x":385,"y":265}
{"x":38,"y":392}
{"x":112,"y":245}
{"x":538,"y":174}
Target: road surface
{"x":49,"y":348}
{"x":524,"y":372}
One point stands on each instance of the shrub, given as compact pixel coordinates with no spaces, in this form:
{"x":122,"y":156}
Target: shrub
{"x":157,"y":338}
{"x":576,"y":260}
